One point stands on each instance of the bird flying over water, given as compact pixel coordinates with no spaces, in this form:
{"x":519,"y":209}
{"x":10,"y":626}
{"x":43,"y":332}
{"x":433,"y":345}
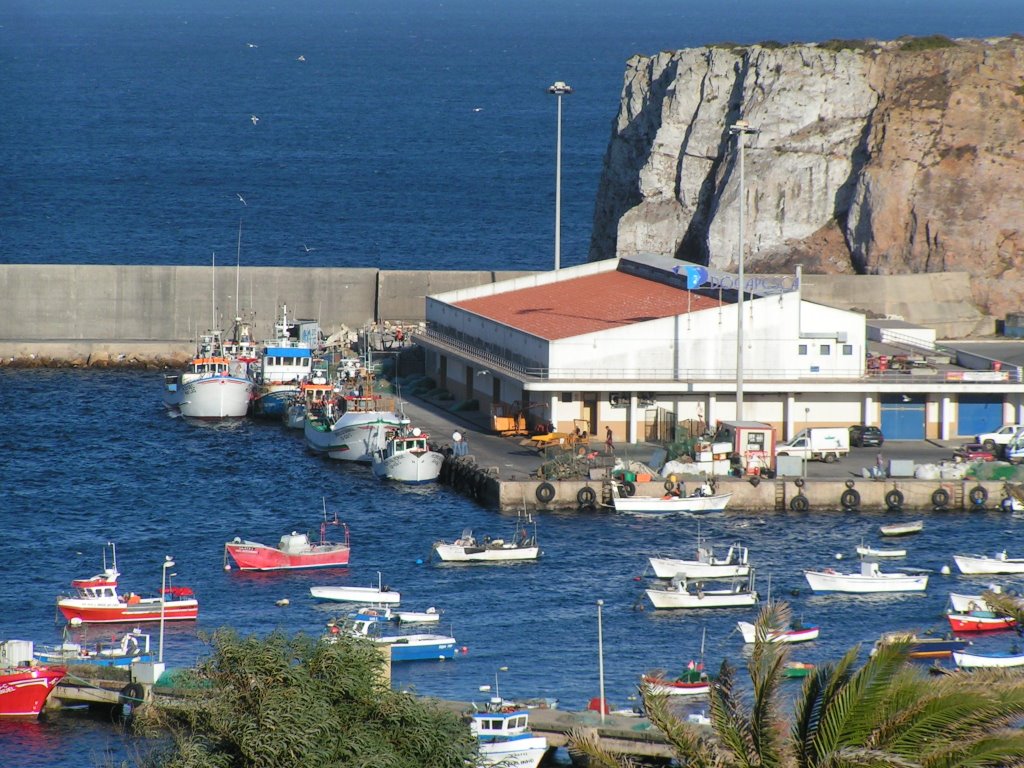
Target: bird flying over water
{"x":301,"y":58}
{"x":243,"y":200}
{"x":254,"y":119}
{"x":307,"y":249}
{"x":252,"y":45}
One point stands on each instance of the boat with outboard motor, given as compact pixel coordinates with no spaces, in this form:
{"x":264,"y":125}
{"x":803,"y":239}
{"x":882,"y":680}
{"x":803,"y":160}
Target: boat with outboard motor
{"x":293,"y":551}
{"x":703,"y":501}
{"x":24,"y":684}
{"x":976,"y":659}
{"x":382,"y":594}
{"x":420,"y":646}
{"x":983,"y":565}
{"x":870,"y":579}
{"x":407,"y":457}
{"x":682,"y":593}
{"x":131,"y":647}
{"x":705,"y":565}
{"x":97,"y":601}
{"x":468,"y":549}
{"x":794,"y":634}
{"x":980,"y":621}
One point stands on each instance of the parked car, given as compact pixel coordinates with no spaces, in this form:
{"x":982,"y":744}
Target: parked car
{"x":1001,"y":437}
{"x":973,"y":452}
{"x":861,"y":435}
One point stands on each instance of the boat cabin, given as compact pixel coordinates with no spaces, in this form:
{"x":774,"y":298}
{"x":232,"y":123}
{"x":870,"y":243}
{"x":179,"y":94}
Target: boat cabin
{"x":102,"y":585}
{"x":413,"y":442}
{"x":284,"y":364}
{"x":294,"y":543}
{"x":500,"y":721}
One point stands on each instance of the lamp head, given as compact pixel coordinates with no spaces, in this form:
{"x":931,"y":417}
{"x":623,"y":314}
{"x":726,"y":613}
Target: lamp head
{"x":559,"y":88}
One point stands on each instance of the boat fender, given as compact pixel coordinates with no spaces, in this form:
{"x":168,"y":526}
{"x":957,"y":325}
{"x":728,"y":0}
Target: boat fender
{"x":628,"y":488}
{"x":940,"y":498}
{"x":894,"y":500}
{"x":545,"y":493}
{"x":799,"y":482}
{"x":799,"y":503}
{"x":1006,"y":504}
{"x":978,"y":495}
{"x":850,"y":498}
{"x":132,"y":694}
{"x":586,"y":496}
{"x":669,"y":485}
{"x":755,"y":480}
{"x":849,"y":483}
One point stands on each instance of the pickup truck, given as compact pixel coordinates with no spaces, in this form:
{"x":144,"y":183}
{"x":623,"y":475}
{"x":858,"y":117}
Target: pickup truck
{"x":826,"y":444}
{"x":1001,"y":436}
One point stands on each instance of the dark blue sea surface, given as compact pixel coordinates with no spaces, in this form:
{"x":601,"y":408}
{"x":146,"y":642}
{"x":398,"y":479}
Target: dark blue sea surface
{"x":414,"y":135}
{"x":92,"y":457}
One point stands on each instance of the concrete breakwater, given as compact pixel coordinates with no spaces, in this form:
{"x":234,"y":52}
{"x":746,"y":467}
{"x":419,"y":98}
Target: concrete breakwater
{"x":779,"y":495}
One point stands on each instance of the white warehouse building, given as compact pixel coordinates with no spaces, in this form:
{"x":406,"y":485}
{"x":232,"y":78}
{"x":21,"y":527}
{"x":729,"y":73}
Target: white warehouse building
{"x":646,"y":343}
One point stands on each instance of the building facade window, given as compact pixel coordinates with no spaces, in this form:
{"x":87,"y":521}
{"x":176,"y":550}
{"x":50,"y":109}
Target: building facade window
{"x":801,"y":349}
{"x":826,"y":349}
{"x":847,"y":349}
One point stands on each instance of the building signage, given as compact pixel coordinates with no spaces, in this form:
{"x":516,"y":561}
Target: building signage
{"x":762,"y":285}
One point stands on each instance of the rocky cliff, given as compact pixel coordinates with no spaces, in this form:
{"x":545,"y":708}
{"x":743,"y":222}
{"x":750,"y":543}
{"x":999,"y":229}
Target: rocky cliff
{"x":868,"y":158}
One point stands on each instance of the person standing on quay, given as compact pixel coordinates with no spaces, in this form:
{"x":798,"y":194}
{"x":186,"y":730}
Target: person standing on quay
{"x":609,"y":447}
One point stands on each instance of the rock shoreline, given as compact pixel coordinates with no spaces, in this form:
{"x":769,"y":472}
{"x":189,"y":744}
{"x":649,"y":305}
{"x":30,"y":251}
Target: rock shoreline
{"x":99,"y":361}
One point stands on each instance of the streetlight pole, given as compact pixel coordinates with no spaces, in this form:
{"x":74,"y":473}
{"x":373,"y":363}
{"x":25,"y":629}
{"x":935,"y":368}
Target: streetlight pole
{"x":559,"y":89}
{"x":168,"y":563}
{"x":739,"y":129}
{"x":600,"y":657}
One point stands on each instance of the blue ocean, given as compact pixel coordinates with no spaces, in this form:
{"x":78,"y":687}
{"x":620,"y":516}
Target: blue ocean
{"x":396,"y":135}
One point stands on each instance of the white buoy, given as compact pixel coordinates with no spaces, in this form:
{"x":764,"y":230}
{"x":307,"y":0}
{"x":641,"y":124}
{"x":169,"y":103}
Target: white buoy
{"x":76,"y":622}
{"x":944,"y":570}
{"x":839,"y":555}
{"x":227,"y":566}
{"x":282,"y":602}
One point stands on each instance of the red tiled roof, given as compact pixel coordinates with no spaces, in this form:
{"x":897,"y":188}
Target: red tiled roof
{"x":586,"y":304}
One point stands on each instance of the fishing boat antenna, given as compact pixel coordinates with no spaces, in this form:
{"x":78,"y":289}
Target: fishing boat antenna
{"x":238,"y":262}
{"x":213,"y":290}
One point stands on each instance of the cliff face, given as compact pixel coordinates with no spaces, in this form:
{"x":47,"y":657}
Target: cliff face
{"x":872,"y":161}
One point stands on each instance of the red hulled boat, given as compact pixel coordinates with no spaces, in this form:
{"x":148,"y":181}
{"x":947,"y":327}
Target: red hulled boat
{"x":980,"y":621}
{"x":96,"y":601}
{"x":294,"y":551}
{"x":24,"y":685}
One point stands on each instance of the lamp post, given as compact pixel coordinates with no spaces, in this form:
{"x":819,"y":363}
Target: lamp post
{"x":739,"y":129}
{"x":807,"y":426}
{"x":600,"y":657}
{"x":559,"y":89}
{"x":497,"y":692}
{"x":168,"y":563}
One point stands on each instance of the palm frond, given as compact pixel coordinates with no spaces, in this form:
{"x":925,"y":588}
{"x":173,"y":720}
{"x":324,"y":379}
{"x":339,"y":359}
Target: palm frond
{"x":585,"y":742}
{"x":691,"y":746}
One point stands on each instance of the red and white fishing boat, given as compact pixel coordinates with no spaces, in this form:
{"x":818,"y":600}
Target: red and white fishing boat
{"x":294,"y":551}
{"x":693,"y":682}
{"x":980,"y":621}
{"x":24,"y":685}
{"x":96,"y":601}
{"x":791,"y":635}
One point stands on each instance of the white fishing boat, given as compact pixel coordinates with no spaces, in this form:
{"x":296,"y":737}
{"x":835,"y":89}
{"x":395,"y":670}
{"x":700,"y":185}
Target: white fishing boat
{"x":351,"y":427}
{"x":979,"y":565}
{"x":430,"y":616}
{"x":791,"y":635}
{"x":865,"y":551}
{"x":683,"y":593}
{"x":311,"y":396}
{"x":403,"y":647}
{"x":902,"y":529}
{"x":468,"y":548}
{"x":869,"y":580}
{"x":504,"y":738}
{"x":284,"y":362}
{"x":213,"y":386}
{"x":975,"y":659}
{"x":705,"y":565}
{"x":702,"y":502}
{"x":132,"y":646}
{"x":407,"y":457}
{"x":382,"y":594}
{"x":960,"y":603}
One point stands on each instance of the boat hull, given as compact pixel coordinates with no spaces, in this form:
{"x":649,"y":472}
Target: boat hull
{"x":148,"y":609}
{"x":252,"y":556}
{"x":23,"y":691}
{"x":670,"y":598}
{"x":452,"y":553}
{"x":902,"y":529}
{"x":272,"y":400}
{"x":356,"y":595}
{"x":979,"y":565}
{"x":973,"y":623}
{"x":408,"y":467}
{"x":655,"y":506}
{"x":213,"y":397}
{"x":422,"y":647}
{"x":355,"y":436}
{"x":967,"y":603}
{"x":821,"y":581}
{"x":667,"y":568}
{"x":524,"y":752}
{"x":975,"y":660}
{"x":675,"y":687}
{"x":804,"y":635}
{"x":872,"y":552}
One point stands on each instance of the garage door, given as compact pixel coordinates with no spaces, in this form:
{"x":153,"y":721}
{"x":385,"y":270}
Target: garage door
{"x":979,"y":413}
{"x":903,"y":417}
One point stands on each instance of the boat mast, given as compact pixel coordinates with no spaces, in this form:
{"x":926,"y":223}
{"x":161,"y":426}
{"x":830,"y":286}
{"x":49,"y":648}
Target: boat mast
{"x":238,"y":266}
{"x":213,"y":290}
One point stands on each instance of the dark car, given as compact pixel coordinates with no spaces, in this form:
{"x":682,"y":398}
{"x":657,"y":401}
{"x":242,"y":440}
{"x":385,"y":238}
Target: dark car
{"x":861,"y":435}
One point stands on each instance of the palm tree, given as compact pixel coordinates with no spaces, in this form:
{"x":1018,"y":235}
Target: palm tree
{"x":886,"y":712}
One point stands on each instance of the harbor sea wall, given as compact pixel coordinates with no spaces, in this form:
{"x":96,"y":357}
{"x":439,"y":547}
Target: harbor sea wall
{"x":66,"y":312}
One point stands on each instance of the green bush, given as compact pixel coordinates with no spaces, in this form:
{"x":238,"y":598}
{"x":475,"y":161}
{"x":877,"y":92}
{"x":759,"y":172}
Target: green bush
{"x":928,"y":43}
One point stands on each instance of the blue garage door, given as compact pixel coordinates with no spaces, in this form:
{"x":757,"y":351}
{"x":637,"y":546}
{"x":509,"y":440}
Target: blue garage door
{"x":903,"y":417}
{"x":979,"y":413}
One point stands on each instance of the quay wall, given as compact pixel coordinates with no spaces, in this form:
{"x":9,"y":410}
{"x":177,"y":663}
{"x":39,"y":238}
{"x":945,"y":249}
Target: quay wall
{"x":767,"y":496}
{"x":67,"y":311}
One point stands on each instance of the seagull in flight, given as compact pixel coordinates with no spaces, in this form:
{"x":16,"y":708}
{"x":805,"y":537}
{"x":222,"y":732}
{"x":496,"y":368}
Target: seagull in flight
{"x":301,"y":58}
{"x":252,"y":45}
{"x":242,"y":199}
{"x":307,"y":249}
{"x":254,"y":119}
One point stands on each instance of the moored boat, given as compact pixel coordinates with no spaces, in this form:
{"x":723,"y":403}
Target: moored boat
{"x":869,"y":580}
{"x":682,"y":593}
{"x":24,"y":684}
{"x":703,"y":501}
{"x":213,"y":386}
{"x":876,"y":552}
{"x":705,"y":565}
{"x":795,"y":670}
{"x":504,"y":738}
{"x":382,"y":594}
{"x":975,"y":659}
{"x":407,"y":457}
{"x":980,"y":565}
{"x":403,"y":647}
{"x":693,"y":682}
{"x":902,"y":529}
{"x":430,"y":616}
{"x":351,"y":427}
{"x":467,"y":548}
{"x":311,"y":395}
{"x":791,"y":635}
{"x":97,"y":601}
{"x":980,"y":621}
{"x":959,"y":603}
{"x":131,"y":647}
{"x":283,"y":363}
{"x":923,"y":647}
{"x":294,"y":551}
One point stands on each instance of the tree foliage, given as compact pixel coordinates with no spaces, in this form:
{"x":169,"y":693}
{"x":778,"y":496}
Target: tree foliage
{"x":290,"y":702}
{"x":886,"y":712}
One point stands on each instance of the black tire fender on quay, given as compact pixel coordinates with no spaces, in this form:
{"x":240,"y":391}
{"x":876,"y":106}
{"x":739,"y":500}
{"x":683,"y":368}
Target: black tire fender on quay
{"x":894,"y":499}
{"x":629,"y":488}
{"x":1006,"y":504}
{"x":799,"y":482}
{"x":978,"y":495}
{"x":669,"y":485}
{"x":133,"y":694}
{"x":799,"y":503}
{"x":586,"y":496}
{"x":850,"y":498}
{"x":545,"y":493}
{"x":940,"y":498}
{"x":849,"y":483}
